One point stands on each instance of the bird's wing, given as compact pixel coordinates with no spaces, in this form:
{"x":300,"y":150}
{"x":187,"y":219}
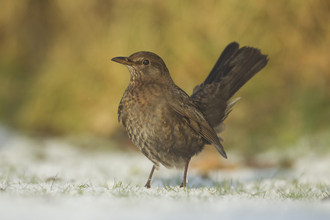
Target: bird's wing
{"x":191,"y":116}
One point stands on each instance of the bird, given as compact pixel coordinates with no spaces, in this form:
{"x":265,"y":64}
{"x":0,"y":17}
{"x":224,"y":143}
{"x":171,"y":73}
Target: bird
{"x":166,"y":124}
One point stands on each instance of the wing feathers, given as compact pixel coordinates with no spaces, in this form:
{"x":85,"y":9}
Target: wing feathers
{"x":197,"y":122}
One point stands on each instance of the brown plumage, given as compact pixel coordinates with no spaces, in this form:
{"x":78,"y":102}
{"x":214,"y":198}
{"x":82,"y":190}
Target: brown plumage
{"x":168,"y":125}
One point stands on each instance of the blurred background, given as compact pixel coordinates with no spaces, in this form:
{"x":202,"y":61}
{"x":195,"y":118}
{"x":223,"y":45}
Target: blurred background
{"x":57,"y":80}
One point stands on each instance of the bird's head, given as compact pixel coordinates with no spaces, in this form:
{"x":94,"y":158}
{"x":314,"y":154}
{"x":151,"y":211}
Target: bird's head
{"x":145,"y":65}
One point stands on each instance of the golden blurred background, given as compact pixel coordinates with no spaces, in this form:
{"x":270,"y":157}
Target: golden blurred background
{"x":56,"y":77}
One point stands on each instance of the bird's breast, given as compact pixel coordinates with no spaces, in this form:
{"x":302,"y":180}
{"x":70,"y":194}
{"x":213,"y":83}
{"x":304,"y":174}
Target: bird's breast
{"x":139,"y":104}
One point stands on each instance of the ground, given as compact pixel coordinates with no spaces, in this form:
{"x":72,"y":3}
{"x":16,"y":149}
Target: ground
{"x":51,"y":179}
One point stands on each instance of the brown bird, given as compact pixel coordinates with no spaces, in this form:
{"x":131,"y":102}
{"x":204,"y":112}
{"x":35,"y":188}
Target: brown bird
{"x":169,"y":126}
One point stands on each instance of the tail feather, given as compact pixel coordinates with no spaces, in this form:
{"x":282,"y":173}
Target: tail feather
{"x":232,"y":70}
{"x":218,"y":66}
{"x":247,"y":62}
{"x":229,"y":108}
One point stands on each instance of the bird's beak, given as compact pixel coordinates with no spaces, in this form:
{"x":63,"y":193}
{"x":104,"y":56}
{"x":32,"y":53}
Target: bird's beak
{"x":123,"y":60}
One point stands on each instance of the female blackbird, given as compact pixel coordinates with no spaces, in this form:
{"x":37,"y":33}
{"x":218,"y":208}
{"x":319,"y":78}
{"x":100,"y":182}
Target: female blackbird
{"x":168,"y":125}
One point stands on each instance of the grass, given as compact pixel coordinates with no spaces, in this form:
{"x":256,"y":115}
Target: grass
{"x":273,"y":189}
{"x":66,"y":172}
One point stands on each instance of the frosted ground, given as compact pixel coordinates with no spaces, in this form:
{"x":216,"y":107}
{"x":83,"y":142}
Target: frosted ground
{"x":51,"y":179}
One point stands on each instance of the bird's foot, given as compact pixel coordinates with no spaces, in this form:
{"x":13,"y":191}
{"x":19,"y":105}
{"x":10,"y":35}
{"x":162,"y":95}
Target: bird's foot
{"x":147,"y":185}
{"x":183,"y":184}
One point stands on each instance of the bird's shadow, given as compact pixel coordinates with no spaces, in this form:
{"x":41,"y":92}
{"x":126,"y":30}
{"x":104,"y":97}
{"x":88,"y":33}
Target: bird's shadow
{"x":201,"y":181}
{"x":192,"y":182}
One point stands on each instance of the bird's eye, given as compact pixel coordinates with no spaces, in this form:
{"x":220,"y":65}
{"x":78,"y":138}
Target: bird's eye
{"x":145,"y":62}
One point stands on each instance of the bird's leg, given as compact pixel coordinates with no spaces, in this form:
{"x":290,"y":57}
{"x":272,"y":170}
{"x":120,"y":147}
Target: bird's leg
{"x":150,"y":176}
{"x":183,"y":184}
